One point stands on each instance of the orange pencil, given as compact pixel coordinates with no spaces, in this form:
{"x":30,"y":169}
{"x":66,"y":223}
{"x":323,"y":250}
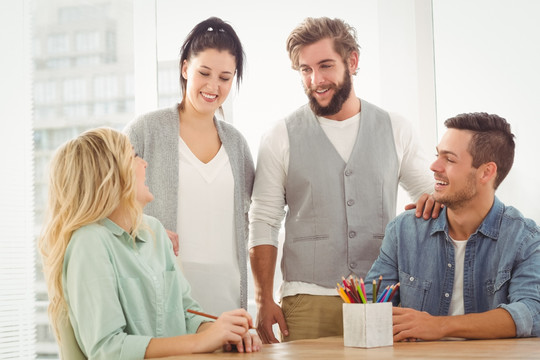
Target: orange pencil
{"x":202,"y":314}
{"x":206,"y":315}
{"x":343,"y":295}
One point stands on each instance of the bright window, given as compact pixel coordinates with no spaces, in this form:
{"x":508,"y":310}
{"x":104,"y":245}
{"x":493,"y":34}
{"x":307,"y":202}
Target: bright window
{"x":86,"y":41}
{"x":17,"y":250}
{"x":58,"y":44}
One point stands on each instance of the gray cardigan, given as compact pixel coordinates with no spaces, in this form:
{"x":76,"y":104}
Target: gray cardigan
{"x":155,"y":138}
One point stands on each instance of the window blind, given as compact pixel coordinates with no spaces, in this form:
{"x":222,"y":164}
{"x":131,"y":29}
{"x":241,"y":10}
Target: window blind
{"x":17,"y":249}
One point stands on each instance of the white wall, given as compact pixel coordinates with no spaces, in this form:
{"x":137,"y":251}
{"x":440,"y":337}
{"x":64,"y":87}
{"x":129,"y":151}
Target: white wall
{"x":271,"y":89}
{"x":488,"y":59}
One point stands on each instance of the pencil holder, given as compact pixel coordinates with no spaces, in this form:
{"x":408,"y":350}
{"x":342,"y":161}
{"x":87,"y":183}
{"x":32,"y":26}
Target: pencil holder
{"x":367,"y":325}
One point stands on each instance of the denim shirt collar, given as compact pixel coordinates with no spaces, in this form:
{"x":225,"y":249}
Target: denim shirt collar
{"x":490,"y":227}
{"x":119,"y":232}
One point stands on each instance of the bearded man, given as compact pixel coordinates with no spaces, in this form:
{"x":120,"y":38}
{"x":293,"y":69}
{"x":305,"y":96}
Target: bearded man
{"x":336,"y":164}
{"x":473,"y":272}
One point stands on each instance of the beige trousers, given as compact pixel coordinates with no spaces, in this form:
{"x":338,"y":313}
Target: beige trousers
{"x":312,"y":316}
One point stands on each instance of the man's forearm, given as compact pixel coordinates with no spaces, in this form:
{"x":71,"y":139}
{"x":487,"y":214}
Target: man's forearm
{"x":263,"y":265}
{"x":493,"y":324}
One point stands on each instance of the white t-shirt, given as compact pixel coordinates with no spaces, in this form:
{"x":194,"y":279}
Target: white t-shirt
{"x":206,"y":232}
{"x":457,"y":306}
{"x":268,"y":201}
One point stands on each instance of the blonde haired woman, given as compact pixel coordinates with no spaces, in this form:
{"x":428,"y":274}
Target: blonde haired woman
{"x":110,"y":268}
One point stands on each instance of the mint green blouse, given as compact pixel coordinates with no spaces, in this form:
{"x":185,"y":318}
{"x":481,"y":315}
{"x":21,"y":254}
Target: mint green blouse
{"x":122,"y":293}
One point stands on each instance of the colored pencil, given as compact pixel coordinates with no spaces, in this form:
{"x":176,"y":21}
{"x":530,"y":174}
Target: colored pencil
{"x":385,"y":298}
{"x":361,"y":294}
{"x":382,"y":295}
{"x":363,"y":287}
{"x":353,"y":295}
{"x":393,"y":292}
{"x":206,"y":315}
{"x":346,"y":283}
{"x":342,"y":294}
{"x":202,"y":314}
{"x":353,"y":290}
{"x":378,"y":286}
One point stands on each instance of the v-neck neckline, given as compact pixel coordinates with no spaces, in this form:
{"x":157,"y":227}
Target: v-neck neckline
{"x":210,"y":170}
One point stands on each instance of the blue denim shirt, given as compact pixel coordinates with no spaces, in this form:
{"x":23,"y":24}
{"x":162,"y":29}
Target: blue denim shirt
{"x":501,"y":267}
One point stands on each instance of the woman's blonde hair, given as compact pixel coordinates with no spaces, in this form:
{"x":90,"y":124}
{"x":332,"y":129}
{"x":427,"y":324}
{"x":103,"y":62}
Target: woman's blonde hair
{"x":90,"y":177}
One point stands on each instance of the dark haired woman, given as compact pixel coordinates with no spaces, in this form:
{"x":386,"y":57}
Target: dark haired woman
{"x":201,"y":170}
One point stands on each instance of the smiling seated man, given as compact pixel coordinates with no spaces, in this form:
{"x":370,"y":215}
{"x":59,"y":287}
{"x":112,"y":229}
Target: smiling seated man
{"x":474,"y":271}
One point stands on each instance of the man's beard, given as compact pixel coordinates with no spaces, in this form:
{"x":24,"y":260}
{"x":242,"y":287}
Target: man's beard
{"x":341,"y":95}
{"x":461,"y":197}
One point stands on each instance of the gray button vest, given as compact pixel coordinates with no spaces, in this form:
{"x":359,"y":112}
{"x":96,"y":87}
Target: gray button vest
{"x":337,"y":211}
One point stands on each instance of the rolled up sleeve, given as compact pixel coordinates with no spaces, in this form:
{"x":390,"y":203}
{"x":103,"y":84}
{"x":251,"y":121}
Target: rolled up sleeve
{"x":524,"y":292}
{"x":268,"y":199}
{"x":523,"y":318}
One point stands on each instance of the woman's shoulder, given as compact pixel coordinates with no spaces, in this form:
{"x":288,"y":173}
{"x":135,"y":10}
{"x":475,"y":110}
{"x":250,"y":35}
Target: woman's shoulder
{"x":165,"y":113}
{"x":229,"y":133}
{"x":225,"y":126}
{"x":89,"y":238}
{"x":154,"y":226}
{"x":152,"y":222}
{"x":95,"y":229}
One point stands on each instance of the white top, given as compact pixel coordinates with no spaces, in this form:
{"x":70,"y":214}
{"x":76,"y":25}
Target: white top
{"x":208,"y":250}
{"x":457,"y":307}
{"x":268,"y":199}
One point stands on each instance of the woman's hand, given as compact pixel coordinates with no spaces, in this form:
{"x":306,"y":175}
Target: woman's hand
{"x":250,"y":343}
{"x":230,"y":329}
{"x":174,"y":239}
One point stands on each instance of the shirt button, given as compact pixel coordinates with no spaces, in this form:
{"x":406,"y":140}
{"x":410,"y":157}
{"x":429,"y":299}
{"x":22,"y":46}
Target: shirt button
{"x":352,"y":234}
{"x":350,"y":202}
{"x":348,"y":172}
{"x":447,"y":295}
{"x":449,"y":265}
{"x":353,"y":265}
{"x":411,"y":278}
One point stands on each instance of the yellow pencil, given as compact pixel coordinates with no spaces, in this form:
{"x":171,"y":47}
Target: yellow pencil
{"x":343,"y":295}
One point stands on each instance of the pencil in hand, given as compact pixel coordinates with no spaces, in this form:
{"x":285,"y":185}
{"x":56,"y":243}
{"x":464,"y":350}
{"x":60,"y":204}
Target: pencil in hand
{"x":207,"y":315}
{"x":202,"y":314}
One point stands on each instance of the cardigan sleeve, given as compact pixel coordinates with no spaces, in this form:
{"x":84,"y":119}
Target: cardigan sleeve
{"x":134,"y":132}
